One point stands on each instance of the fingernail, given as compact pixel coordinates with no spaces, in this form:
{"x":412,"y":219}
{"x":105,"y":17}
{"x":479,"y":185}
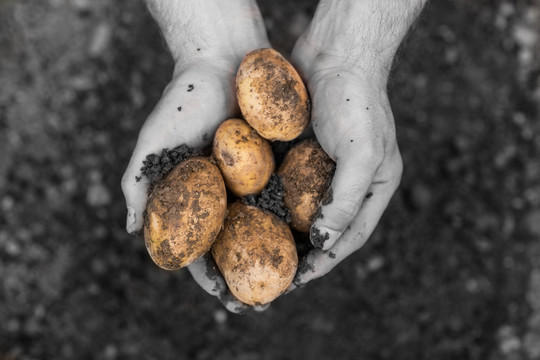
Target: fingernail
{"x":131,"y":220}
{"x":332,"y":237}
{"x":321,"y":236}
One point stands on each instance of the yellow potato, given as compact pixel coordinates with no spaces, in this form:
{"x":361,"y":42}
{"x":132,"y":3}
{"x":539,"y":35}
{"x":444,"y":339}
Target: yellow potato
{"x":244,"y":158}
{"x":256,"y":254}
{"x":185,"y":212}
{"x":306,"y":173}
{"x":272,"y":96}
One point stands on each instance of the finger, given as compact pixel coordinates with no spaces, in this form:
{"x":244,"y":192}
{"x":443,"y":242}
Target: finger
{"x":206,"y":273}
{"x":260,"y":308}
{"x":291,"y":287}
{"x":356,"y":166}
{"x":302,"y":55}
{"x":191,"y":108}
{"x":351,"y":124}
{"x":319,"y":262}
{"x":234,"y":305}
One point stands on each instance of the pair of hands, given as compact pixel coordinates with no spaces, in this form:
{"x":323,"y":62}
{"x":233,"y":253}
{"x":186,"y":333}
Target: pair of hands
{"x":351,"y":118}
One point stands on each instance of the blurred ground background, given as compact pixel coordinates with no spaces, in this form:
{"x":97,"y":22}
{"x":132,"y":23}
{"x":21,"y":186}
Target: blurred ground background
{"x":452,"y":272}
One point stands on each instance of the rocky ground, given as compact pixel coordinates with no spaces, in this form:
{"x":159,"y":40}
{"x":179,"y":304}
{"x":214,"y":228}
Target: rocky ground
{"x":452,"y":272}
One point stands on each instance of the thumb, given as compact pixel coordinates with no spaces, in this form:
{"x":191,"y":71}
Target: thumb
{"x":350,"y":122}
{"x":135,"y":189}
{"x":356,"y":165}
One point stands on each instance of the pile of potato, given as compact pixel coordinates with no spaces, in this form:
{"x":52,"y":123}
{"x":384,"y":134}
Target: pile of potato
{"x":188,"y":213}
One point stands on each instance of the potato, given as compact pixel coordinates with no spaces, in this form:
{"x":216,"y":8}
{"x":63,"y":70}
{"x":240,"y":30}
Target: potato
{"x":272,"y":96}
{"x":244,"y":158}
{"x":185,"y":212}
{"x":306,"y":173}
{"x":256,"y":254}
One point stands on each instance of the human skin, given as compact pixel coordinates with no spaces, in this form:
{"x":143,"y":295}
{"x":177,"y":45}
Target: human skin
{"x":207,"y":40}
{"x":344,"y":56}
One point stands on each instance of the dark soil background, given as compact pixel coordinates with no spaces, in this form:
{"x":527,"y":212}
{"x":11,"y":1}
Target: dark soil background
{"x":452,"y":272}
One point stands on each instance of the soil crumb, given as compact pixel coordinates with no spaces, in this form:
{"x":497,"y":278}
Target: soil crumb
{"x":304,"y":266}
{"x":155,"y":167}
{"x":271,"y":199}
{"x":317,"y":238}
{"x":328,"y":197}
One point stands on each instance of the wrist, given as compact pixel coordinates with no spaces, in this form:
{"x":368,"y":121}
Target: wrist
{"x":217,"y":50}
{"x":363,"y":35}
{"x":314,"y":62}
{"x":204,"y":31}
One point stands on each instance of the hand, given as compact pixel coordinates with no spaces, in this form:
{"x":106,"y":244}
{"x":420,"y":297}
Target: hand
{"x":208,"y":43}
{"x":192,"y":106}
{"x":346,"y":66}
{"x":353,"y":122}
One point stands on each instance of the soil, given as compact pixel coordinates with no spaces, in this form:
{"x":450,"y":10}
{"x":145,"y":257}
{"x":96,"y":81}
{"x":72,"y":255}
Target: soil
{"x":271,"y":199}
{"x":450,"y":273}
{"x":156,"y":167}
{"x":317,"y":238}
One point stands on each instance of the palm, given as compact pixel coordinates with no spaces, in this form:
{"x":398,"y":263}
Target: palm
{"x":191,"y":108}
{"x":353,"y":122}
{"x":193,"y":105}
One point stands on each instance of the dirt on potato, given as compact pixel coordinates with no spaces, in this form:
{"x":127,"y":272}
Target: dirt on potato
{"x":256,"y":254}
{"x":184,"y":214}
{"x":278,"y":109}
{"x":306,"y":174}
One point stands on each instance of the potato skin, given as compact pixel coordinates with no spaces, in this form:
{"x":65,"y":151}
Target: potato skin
{"x":272,"y":96}
{"x":244,"y":158}
{"x":256,"y":254}
{"x":185,"y":212}
{"x":306,"y":173}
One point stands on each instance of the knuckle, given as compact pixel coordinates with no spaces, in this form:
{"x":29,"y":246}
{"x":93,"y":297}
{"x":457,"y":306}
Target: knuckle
{"x":371,"y":154}
{"x":342,"y":210}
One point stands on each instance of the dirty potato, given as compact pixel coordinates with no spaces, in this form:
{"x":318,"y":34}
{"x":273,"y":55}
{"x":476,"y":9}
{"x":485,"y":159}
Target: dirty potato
{"x":256,"y":254}
{"x":306,"y":173}
{"x":272,"y":96}
{"x":244,"y":158}
{"x":185,"y":212}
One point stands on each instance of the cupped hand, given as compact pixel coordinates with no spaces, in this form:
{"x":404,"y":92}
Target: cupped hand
{"x":198,"y":98}
{"x":207,"y":41}
{"x":353,"y":122}
{"x":194,"y":103}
